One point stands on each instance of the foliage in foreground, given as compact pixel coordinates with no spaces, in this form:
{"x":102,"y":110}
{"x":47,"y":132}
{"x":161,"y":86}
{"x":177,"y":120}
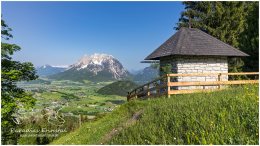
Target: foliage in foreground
{"x":224,"y":117}
{"x":12,"y":97}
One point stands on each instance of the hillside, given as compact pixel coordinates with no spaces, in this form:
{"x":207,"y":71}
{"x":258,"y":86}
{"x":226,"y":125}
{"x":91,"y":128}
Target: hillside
{"x":146,"y":75}
{"x":223,"y":117}
{"x":117,"y":88}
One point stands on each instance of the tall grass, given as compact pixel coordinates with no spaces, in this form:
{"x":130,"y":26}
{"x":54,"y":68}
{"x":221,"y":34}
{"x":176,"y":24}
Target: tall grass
{"x":223,"y":117}
{"x":93,"y":132}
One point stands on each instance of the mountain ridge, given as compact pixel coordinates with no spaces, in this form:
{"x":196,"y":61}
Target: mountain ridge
{"x":47,"y":70}
{"x":97,"y":67}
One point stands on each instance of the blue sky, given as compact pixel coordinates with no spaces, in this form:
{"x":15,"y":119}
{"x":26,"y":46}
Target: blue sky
{"x":59,"y":33}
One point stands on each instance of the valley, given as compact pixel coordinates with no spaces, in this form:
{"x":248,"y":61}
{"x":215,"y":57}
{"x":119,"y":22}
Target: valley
{"x":63,"y":104}
{"x":68,"y":97}
{"x":75,"y":97}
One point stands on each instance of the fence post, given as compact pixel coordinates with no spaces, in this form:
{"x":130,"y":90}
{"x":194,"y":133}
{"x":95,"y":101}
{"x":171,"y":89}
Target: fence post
{"x":168,"y":87}
{"x":158,"y":89}
{"x":148,"y":88}
{"x":219,"y":79}
{"x":79,"y":120}
{"x":127,"y":97}
{"x":135,"y":94}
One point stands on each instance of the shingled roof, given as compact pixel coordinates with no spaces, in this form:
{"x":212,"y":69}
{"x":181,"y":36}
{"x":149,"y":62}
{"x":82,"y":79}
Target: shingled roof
{"x":192,"y":41}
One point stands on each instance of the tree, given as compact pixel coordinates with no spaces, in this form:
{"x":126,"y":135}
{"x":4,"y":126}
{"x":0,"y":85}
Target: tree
{"x":223,"y":20}
{"x":250,"y":38}
{"x":166,"y":69}
{"x":12,"y":97}
{"x":155,"y":65}
{"x":194,"y":14}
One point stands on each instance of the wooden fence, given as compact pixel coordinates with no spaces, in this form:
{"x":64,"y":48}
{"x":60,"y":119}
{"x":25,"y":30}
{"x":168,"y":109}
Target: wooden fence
{"x":169,"y":84}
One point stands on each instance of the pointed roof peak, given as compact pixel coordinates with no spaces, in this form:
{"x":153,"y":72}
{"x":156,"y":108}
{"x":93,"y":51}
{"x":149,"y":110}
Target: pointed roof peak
{"x":192,"y":41}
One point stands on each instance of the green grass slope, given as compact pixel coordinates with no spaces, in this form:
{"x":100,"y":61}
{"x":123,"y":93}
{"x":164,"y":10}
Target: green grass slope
{"x":118,"y":88}
{"x":223,"y":117}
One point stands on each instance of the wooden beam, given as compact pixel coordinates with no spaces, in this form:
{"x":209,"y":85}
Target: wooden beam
{"x":193,"y":74}
{"x":241,"y":73}
{"x":148,"y":90}
{"x":213,"y":83}
{"x":151,"y":82}
{"x":142,"y":91}
{"x":212,"y":74}
{"x":172,"y":92}
{"x":168,"y":87}
{"x":155,"y":95}
{"x":219,"y":79}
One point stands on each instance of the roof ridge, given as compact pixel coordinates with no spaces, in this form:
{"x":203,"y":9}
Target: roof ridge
{"x":184,"y":41}
{"x":178,"y":49}
{"x":187,"y":39}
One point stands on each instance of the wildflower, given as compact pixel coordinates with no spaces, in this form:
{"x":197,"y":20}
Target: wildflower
{"x":147,"y":141}
{"x":211,"y":123}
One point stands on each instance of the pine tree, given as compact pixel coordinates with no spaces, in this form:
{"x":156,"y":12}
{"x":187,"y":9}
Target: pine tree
{"x":249,"y":39}
{"x":12,"y":97}
{"x":223,"y":20}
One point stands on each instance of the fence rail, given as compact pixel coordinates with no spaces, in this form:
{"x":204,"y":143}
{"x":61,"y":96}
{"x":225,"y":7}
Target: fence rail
{"x":169,"y":84}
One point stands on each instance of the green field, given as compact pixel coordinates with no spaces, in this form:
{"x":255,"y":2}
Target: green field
{"x":76,"y":102}
{"x":229,"y":116}
{"x":74,"y":97}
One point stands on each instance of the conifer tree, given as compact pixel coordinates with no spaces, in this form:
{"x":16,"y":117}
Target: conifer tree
{"x":226,"y":21}
{"x":249,"y":39}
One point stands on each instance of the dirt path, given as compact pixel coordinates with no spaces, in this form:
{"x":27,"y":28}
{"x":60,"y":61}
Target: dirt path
{"x":128,"y":123}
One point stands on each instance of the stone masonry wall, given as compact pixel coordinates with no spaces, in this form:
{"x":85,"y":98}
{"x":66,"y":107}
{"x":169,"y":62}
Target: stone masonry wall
{"x":196,"y":64}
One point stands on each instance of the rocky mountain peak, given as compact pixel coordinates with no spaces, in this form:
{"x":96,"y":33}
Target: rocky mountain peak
{"x":95,"y":59}
{"x":100,"y":63}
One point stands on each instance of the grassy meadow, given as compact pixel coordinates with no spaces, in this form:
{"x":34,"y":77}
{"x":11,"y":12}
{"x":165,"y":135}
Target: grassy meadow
{"x":229,"y":116}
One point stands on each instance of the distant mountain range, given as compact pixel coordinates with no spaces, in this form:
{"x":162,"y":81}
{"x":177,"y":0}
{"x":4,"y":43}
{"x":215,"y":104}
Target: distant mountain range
{"x":146,"y":75}
{"x":47,"y":70}
{"x":96,"y":68}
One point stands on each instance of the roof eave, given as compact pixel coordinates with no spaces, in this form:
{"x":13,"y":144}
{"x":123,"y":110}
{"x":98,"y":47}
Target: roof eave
{"x":158,"y":58}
